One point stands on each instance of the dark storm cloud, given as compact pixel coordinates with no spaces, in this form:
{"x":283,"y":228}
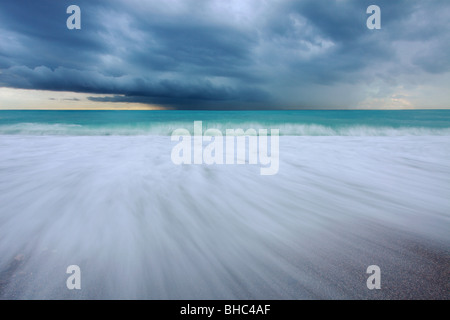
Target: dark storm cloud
{"x":209,"y":54}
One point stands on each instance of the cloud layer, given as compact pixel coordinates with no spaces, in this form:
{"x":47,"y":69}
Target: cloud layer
{"x":195,"y":54}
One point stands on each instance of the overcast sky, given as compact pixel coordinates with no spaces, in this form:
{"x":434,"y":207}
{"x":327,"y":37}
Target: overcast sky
{"x":194,"y":54}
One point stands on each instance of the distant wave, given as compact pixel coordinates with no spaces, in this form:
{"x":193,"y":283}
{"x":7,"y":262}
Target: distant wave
{"x":166,"y":129}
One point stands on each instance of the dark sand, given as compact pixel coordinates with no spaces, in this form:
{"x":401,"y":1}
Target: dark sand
{"x":411,"y":269}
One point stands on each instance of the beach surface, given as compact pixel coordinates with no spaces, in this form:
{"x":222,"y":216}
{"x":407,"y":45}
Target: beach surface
{"x":141,"y":227}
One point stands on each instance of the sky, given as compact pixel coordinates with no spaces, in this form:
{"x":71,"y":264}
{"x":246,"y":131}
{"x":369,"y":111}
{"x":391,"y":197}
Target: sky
{"x":224,"y":55}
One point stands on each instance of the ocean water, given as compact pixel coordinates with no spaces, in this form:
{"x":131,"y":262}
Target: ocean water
{"x":290,"y":123}
{"x":98,"y":189}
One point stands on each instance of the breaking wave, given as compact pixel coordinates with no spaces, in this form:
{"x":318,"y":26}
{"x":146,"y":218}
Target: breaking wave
{"x":167,"y":128}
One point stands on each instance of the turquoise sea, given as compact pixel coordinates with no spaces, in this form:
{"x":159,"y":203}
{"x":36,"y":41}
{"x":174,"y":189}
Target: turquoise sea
{"x":297,"y":123}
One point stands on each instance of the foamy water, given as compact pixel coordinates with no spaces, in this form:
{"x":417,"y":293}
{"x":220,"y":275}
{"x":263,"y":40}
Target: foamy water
{"x":141,"y":227}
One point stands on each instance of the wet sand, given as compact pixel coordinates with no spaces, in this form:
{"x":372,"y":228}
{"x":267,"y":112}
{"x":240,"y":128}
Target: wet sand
{"x":140,"y":227}
{"x":411,"y":269}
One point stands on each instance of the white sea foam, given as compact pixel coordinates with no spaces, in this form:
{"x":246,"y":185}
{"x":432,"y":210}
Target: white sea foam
{"x":166,"y":128}
{"x":141,"y":227}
